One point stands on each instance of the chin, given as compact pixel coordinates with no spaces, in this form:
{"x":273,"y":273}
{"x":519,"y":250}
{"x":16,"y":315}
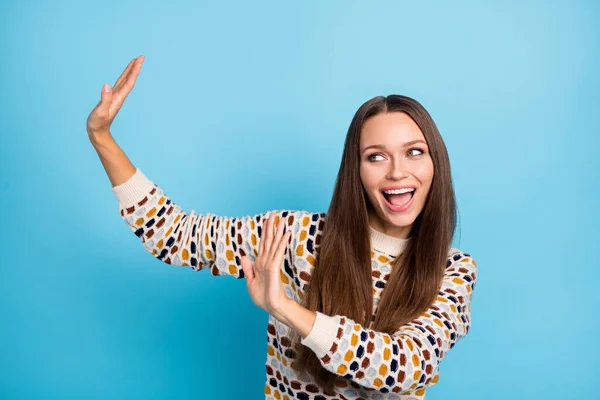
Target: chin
{"x":396,"y":221}
{"x":401,"y":222}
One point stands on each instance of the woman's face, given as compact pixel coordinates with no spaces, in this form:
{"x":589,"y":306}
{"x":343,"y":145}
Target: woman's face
{"x":394,"y":159}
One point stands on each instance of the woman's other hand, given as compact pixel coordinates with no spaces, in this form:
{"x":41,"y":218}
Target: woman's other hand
{"x":263,"y":279}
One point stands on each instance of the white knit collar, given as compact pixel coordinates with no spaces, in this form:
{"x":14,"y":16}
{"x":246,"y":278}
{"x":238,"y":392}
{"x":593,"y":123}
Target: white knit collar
{"x":387,"y":244}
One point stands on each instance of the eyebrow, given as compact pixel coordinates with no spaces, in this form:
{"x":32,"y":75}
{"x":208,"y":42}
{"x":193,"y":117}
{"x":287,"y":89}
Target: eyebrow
{"x":381,"y":146}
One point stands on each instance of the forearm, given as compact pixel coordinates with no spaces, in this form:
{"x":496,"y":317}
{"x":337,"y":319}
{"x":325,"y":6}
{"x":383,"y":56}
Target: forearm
{"x":117,"y":165}
{"x":372,"y":359}
{"x":408,"y":359}
{"x":369,"y":358}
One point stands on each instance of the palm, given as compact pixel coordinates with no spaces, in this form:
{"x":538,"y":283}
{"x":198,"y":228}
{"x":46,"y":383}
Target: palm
{"x":263,"y":279}
{"x":265,"y":287}
{"x":101,"y":117}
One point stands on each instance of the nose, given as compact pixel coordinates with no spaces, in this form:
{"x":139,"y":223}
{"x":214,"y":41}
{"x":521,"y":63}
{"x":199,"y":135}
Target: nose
{"x":397,"y":170}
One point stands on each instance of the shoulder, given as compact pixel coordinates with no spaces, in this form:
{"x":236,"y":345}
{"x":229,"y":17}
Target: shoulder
{"x":461,"y":265}
{"x":456,"y":255}
{"x":303,"y":223}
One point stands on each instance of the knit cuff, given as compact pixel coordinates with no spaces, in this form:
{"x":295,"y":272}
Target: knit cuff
{"x":322,"y":335}
{"x":133,"y":190}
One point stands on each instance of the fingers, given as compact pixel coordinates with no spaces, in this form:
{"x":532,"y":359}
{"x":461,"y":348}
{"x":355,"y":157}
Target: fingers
{"x":247,"y":268}
{"x":277,"y":238}
{"x":105,"y":98}
{"x":125,"y":72}
{"x":278,"y":258}
{"x":129,"y":80}
{"x":272,"y":243}
{"x":133,"y":74}
{"x":267,"y":238}
{"x":125,"y":85}
{"x":261,"y":239}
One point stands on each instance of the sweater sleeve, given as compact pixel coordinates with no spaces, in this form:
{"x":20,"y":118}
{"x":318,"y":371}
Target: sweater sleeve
{"x":184,"y":238}
{"x":408,"y":359}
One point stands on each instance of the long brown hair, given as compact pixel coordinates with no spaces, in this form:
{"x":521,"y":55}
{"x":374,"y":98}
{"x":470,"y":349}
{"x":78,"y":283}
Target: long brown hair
{"x":344,"y":255}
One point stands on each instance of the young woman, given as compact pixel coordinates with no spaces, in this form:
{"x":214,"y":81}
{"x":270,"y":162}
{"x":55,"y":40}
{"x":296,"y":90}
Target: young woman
{"x":363,"y":302}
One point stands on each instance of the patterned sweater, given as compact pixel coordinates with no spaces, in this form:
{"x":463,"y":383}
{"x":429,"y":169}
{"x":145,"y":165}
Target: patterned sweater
{"x":375,"y":365}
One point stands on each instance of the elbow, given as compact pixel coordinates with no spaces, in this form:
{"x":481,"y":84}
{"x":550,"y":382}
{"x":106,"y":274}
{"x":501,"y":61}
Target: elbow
{"x":405,"y":382}
{"x":413,"y":370}
{"x":400,"y":375}
{"x":165,"y":243}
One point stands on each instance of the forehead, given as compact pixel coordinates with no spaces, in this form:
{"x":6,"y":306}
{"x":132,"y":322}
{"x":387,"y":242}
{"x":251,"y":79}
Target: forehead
{"x":390,"y":129}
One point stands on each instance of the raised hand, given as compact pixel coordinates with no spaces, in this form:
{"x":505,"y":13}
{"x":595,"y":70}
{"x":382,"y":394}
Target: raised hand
{"x":102,"y":116}
{"x":263,"y":280}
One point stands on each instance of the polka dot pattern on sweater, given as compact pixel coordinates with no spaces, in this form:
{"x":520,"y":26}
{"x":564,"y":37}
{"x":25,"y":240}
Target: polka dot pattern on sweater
{"x":370,"y":364}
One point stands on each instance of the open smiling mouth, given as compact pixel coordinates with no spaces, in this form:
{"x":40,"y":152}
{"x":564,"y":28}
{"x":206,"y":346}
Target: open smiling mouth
{"x":399,"y":199}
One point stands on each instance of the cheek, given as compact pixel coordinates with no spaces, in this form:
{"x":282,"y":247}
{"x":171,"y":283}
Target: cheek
{"x":424,"y":173}
{"x":368,"y":178}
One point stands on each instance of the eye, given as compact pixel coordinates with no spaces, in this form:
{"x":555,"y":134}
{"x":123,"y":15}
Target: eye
{"x":417,"y":149}
{"x":373,"y":157}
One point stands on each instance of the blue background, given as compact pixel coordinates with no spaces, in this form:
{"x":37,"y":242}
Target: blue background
{"x":242,"y":107}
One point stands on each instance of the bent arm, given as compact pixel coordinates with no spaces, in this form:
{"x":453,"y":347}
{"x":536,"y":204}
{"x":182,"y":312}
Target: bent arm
{"x":406,"y":360}
{"x":188,"y":239}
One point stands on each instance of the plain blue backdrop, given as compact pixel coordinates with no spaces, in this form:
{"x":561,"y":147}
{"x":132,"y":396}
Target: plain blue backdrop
{"x":242,"y":107}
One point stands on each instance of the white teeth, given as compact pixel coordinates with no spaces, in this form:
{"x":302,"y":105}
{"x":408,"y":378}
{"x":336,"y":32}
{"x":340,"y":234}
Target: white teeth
{"x":399,"y":191}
